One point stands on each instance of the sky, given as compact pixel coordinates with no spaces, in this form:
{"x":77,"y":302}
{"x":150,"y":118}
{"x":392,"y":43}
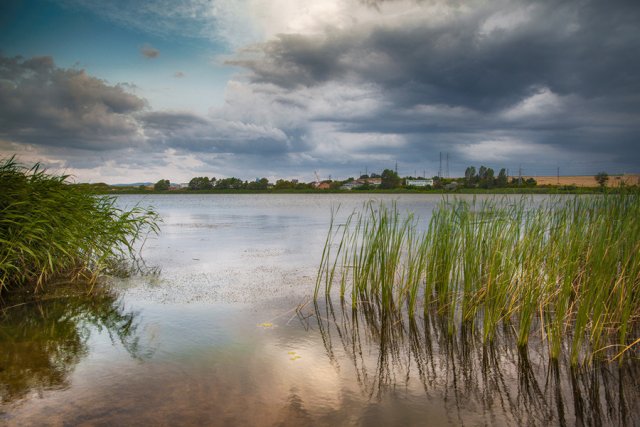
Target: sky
{"x":127,"y":91}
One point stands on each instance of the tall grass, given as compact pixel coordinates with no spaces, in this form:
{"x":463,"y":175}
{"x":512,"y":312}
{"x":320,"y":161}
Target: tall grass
{"x":566,"y":270}
{"x":50,"y":229}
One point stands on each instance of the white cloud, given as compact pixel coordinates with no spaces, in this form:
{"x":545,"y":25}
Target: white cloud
{"x":542,"y":103}
{"x":508,"y":19}
{"x":503,"y":149}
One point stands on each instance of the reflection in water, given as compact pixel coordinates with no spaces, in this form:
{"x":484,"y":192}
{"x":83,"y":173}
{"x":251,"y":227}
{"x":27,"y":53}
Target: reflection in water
{"x":43,"y":339}
{"x":294,"y":413}
{"x":390,"y":350}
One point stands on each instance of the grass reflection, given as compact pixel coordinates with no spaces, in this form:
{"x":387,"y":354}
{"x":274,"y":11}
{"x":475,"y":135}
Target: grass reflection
{"x":391,"y":350}
{"x":43,"y":339}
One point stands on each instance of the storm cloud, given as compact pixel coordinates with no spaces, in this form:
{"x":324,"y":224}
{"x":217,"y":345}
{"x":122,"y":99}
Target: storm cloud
{"x":193,"y":133}
{"x":340,"y":85}
{"x":561,"y":76}
{"x":46,"y":105}
{"x":484,"y":58}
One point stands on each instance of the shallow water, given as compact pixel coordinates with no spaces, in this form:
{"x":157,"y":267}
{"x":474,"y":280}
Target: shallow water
{"x":226,"y":335}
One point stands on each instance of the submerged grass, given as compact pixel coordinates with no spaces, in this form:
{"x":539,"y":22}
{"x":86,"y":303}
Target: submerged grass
{"x":565,"y":269}
{"x":49,"y":229}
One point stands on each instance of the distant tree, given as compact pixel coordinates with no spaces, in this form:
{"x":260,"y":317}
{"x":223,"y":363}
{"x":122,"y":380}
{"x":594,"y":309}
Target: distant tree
{"x":486,"y":177}
{"x":602,"y":178}
{"x":437,"y":182}
{"x":364,"y":176}
{"x":482,"y":172}
{"x":530,"y":182}
{"x":263,"y":183}
{"x":470,"y":176}
{"x":283,"y":184}
{"x":375,"y":175}
{"x":258,"y":184}
{"x":200,"y":183}
{"x":390,"y":179}
{"x":502,"y":180}
{"x":162,"y":185}
{"x":335,"y":185}
{"x":229,"y":184}
{"x":304,"y":186}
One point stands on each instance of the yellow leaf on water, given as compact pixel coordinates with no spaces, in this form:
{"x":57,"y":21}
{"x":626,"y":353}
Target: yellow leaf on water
{"x":266,"y":325}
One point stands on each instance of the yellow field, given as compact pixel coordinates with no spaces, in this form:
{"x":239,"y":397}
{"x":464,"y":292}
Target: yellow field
{"x":586,"y":180}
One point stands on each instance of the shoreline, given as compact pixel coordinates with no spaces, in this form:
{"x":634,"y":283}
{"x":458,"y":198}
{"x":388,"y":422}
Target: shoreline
{"x":531,"y":190}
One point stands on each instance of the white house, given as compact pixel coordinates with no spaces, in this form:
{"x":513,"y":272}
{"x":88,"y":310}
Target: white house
{"x":420,"y":182}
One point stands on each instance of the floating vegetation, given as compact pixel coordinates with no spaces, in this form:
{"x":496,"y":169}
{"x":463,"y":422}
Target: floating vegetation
{"x":565,"y":270}
{"x":265,"y":325}
{"x":293,"y":356}
{"x":49,"y":229}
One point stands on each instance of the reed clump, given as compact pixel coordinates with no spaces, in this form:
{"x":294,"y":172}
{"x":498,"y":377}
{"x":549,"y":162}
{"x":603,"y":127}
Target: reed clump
{"x":566,"y":270}
{"x":49,"y":229}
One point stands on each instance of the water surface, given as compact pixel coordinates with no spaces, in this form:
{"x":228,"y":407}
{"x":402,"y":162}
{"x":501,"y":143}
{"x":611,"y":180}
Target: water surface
{"x":226,"y":334}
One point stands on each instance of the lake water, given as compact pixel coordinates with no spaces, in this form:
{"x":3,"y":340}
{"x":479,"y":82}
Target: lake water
{"x":226,"y":334}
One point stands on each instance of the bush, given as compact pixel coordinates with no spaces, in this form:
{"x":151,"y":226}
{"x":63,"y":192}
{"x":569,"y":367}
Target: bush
{"x":162,"y":185}
{"x":50,"y":229}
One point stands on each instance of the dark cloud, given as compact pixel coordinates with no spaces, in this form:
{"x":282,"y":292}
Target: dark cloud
{"x":564,"y":77}
{"x":191,"y":132}
{"x":475,"y":60}
{"x":504,"y":83}
{"x":168,"y":121}
{"x":149,"y":52}
{"x":46,"y":105}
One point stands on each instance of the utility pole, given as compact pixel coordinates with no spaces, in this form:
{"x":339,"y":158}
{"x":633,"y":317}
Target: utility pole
{"x":520,"y":175}
{"x":396,"y":168}
{"x":440,"y":168}
{"x":448,"y":165}
{"x":558,"y":175}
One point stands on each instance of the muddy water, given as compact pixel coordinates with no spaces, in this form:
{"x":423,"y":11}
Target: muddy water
{"x":226,"y":334}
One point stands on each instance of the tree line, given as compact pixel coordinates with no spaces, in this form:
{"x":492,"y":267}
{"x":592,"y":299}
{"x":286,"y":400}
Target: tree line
{"x":484,"y":177}
{"x":203,"y":183}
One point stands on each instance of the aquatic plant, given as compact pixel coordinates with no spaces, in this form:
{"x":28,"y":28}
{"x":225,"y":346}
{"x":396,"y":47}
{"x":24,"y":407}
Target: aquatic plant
{"x":565,"y":269}
{"x":51,"y":229}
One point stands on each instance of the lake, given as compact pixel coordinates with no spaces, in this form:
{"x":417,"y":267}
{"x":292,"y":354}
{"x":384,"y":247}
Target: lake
{"x":226,"y":333}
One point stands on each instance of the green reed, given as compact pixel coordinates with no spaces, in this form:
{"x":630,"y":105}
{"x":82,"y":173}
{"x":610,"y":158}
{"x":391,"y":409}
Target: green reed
{"x":565,"y":269}
{"x":50,"y":229}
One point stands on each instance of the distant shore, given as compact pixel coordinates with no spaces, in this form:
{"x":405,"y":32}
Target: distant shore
{"x":507,"y":190}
